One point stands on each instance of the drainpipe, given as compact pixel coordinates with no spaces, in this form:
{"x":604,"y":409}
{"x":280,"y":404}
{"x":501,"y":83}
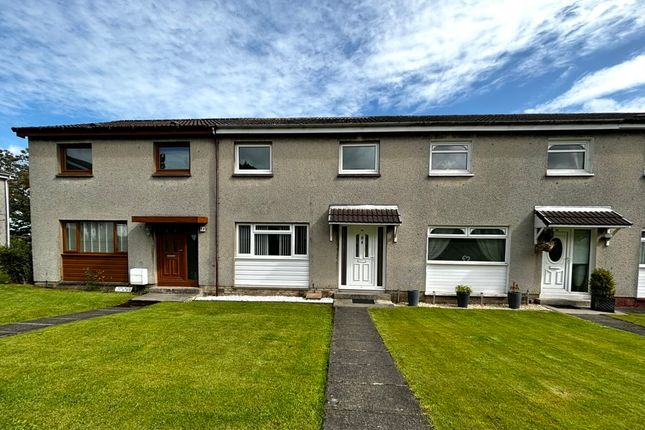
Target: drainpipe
{"x":216,"y":211}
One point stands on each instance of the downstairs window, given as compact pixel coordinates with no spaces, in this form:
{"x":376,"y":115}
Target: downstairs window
{"x":95,"y":237}
{"x":467,"y":244}
{"x":272,"y":240}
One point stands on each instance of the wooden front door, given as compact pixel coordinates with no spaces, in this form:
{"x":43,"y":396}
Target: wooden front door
{"x":172,"y":259}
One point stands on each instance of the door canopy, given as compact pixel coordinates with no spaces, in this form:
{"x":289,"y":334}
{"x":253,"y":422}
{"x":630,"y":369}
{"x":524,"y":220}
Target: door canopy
{"x":364,"y":214}
{"x":601,"y":217}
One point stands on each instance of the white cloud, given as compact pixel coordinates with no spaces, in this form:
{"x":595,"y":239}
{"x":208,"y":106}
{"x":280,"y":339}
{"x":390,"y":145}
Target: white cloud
{"x":277,"y":58}
{"x":590,"y":90}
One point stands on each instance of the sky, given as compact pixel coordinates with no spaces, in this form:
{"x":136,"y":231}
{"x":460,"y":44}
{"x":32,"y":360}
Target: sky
{"x":74,"y":61}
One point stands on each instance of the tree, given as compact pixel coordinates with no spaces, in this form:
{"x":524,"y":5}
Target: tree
{"x":17,"y":165}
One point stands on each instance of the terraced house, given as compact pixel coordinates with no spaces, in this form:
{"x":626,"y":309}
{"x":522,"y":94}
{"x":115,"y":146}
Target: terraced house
{"x":365,"y":203}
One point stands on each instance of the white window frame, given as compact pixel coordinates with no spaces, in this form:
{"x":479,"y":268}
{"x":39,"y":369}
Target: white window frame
{"x":586,"y":171}
{"x":374,"y":171}
{"x":239,"y":171}
{"x":291,"y":231}
{"x":468,"y":234}
{"x":452,"y":172}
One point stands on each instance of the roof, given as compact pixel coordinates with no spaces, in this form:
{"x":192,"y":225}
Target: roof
{"x":580,"y":216}
{"x":206,"y":125}
{"x":364,"y":214}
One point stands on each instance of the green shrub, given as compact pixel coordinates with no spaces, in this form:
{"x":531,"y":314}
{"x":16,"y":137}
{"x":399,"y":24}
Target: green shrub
{"x":4,"y":278}
{"x":602,"y":283}
{"x":463,"y":289}
{"x":15,"y":261}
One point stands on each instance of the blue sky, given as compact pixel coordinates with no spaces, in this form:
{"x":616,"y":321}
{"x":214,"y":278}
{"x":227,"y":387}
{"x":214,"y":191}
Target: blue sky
{"x":74,"y":61}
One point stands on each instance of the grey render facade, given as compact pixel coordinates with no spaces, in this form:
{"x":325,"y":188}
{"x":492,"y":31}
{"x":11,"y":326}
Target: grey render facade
{"x":469,"y":217}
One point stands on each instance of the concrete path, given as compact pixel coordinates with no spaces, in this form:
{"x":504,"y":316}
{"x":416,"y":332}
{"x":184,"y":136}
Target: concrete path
{"x":602,"y":318}
{"x":31,"y":325}
{"x":614,"y":323}
{"x":364,"y":388}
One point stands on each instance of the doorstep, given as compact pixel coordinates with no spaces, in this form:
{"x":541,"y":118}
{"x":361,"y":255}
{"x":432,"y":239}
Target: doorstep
{"x":162,"y":297}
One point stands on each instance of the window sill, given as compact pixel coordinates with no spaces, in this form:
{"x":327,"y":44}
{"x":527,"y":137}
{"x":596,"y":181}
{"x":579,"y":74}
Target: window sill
{"x":271,"y":257}
{"x":359,"y":175}
{"x":555,"y":173}
{"x":468,"y":263}
{"x":252,"y":175}
{"x":442,"y":174}
{"x":171,"y":175}
{"x":75,"y":175}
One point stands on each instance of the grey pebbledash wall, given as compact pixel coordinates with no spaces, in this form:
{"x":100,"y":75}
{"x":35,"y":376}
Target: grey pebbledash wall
{"x":509,"y":180}
{"x":122,"y":186}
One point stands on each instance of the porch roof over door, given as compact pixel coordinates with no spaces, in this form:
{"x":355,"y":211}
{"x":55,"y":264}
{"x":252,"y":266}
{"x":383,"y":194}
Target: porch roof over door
{"x":579,"y":216}
{"x":364,"y":214}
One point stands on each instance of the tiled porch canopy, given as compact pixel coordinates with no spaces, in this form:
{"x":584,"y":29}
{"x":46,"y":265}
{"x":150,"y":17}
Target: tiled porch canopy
{"x":602,"y":217}
{"x":364,"y":214}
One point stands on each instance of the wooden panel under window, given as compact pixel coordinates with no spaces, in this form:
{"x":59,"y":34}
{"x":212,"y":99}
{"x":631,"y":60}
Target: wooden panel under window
{"x":113,"y":266}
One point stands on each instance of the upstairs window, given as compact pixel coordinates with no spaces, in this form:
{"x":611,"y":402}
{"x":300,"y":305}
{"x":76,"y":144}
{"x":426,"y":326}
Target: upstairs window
{"x":467,"y":244}
{"x":272,"y":240}
{"x":75,"y":159}
{"x":450,"y":159}
{"x":95,"y":237}
{"x":172,"y":158}
{"x":253,"y":159}
{"x":358,"y":159}
{"x":642,"y":248}
{"x":568,"y":158}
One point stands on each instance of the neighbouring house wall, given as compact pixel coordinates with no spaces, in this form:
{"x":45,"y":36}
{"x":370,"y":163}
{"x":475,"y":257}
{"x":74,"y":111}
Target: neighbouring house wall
{"x":509,"y":180}
{"x":4,"y":215}
{"x":122,"y":186}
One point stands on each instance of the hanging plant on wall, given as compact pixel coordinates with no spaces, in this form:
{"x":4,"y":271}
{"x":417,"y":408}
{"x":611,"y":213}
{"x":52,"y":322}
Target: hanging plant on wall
{"x":545,"y":241}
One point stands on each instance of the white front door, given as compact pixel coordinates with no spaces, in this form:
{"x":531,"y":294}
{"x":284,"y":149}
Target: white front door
{"x":361,"y":256}
{"x":566,"y":268}
{"x":555,"y":265}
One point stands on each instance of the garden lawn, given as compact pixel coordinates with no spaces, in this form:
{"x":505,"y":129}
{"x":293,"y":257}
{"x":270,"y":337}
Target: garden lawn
{"x":632,"y":318}
{"x":498,"y":369}
{"x":171,"y":365}
{"x":22,"y":302}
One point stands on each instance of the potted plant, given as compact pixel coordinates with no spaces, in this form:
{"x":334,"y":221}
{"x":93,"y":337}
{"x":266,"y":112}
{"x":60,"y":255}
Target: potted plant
{"x":463,"y":295}
{"x":603,"y":288}
{"x":514,"y":296}
{"x":545,"y":241}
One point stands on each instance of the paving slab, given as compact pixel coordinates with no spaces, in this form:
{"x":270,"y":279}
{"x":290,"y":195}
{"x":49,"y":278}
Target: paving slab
{"x":31,"y":325}
{"x":608,"y":321}
{"x":365,"y":389}
{"x":164,"y":297}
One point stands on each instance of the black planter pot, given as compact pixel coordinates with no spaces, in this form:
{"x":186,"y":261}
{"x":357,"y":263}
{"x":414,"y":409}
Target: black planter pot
{"x":514,"y":299}
{"x":413,"y":298}
{"x":603,"y":304}
{"x":462,"y":299}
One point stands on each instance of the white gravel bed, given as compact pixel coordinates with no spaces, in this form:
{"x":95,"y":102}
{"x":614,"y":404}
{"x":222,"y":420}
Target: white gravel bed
{"x":280,"y":299}
{"x":530,"y":307}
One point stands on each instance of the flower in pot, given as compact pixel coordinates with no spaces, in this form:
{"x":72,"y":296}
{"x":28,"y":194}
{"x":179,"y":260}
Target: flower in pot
{"x":603,"y":288}
{"x":463,"y":295}
{"x":514,"y":296}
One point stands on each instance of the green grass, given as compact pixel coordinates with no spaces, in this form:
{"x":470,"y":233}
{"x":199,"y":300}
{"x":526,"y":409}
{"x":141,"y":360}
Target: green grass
{"x":172,"y":365}
{"x":22,"y":302}
{"x":497,"y":369}
{"x":632,"y":318}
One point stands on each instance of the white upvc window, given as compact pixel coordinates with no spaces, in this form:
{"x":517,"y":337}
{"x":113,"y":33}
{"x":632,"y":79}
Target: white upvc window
{"x":467,"y":245}
{"x":450,"y":158}
{"x":358,"y":158}
{"x":642,"y":261}
{"x":569,"y":158}
{"x":272,"y":240}
{"x":253,"y":159}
